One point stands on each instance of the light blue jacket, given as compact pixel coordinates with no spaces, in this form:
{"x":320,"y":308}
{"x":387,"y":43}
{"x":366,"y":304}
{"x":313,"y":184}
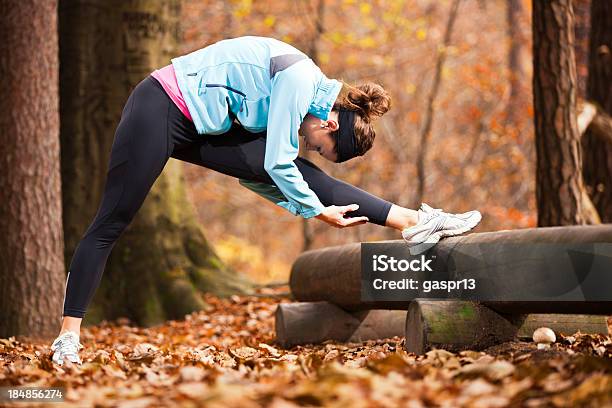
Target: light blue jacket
{"x":264,"y":84}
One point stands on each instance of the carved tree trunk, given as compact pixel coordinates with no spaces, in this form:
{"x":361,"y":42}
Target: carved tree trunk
{"x":560,"y":194}
{"x":162,"y":261}
{"x":31,"y":243}
{"x":598,"y":152}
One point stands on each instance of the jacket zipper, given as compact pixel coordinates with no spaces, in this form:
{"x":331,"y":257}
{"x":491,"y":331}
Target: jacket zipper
{"x":226,"y":87}
{"x":219,"y":85}
{"x":230,"y":89}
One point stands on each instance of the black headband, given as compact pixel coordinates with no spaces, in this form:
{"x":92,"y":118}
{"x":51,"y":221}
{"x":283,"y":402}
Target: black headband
{"x":345,"y":136}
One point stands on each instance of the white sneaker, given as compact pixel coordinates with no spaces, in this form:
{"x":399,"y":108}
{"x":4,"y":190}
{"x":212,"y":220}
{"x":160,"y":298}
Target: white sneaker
{"x":66,"y":347}
{"x":434,"y":224}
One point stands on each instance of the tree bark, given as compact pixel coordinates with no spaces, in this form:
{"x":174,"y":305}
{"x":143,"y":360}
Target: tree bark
{"x":560,"y":193}
{"x":597,"y":151}
{"x":582,"y":17}
{"x":31,"y":248}
{"x":596,"y":121}
{"x":162,"y":260}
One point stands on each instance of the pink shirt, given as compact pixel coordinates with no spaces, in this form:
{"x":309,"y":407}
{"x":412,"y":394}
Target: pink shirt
{"x":167,"y":79}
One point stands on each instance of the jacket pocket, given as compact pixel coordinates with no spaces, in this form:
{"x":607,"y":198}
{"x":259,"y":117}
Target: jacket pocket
{"x":254,"y":116}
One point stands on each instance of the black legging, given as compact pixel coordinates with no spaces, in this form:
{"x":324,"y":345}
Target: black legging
{"x":151,"y":130}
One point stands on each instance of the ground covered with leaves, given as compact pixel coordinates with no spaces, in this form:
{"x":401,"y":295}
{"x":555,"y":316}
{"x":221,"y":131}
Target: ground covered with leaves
{"x":226,"y":356}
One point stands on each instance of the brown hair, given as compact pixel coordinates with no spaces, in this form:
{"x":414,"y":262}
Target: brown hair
{"x":369,"y":100}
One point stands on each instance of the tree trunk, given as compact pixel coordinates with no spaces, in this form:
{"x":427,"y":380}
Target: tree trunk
{"x":425,"y":131}
{"x":31,"y":248}
{"x":307,"y":227}
{"x":162,"y":260}
{"x":581,"y":49}
{"x":515,"y":68}
{"x":560,"y":193}
{"x":598,"y":152}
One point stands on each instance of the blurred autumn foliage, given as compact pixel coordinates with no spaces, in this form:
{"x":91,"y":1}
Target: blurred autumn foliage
{"x":480,"y":153}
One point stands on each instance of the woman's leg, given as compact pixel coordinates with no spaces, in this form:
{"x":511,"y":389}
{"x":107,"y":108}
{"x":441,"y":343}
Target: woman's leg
{"x":140,"y":150}
{"x":239,"y":153}
{"x":332,"y":191}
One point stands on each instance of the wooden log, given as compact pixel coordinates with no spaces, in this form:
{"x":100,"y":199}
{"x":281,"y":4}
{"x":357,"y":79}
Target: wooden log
{"x":333,"y":274}
{"x":454,"y":325}
{"x":457,"y":325}
{"x":560,"y":323}
{"x":313,"y":323}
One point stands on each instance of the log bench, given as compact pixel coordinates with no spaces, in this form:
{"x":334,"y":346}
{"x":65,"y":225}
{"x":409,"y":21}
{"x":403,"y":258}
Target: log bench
{"x":327,"y":284}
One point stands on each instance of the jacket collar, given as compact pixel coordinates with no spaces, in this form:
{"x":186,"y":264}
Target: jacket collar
{"x":325,"y":96}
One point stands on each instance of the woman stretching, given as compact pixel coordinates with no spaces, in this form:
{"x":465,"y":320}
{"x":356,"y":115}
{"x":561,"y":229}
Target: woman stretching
{"x":237,"y":106}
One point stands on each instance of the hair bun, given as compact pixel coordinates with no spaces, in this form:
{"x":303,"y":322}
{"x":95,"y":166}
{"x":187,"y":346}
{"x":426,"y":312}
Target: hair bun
{"x":371,"y":99}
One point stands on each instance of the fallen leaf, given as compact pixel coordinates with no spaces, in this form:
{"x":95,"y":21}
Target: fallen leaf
{"x":495,"y":370}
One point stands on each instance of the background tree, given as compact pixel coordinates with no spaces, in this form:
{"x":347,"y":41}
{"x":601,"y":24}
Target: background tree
{"x":582,"y":18}
{"x":162,"y":261}
{"x":425,"y":131}
{"x":560,"y":194}
{"x":317,"y":19}
{"x":597,"y":149}
{"x":31,"y":244}
{"x":516,"y":73}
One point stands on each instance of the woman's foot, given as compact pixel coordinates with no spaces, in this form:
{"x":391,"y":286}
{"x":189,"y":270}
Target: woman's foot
{"x":66,"y":347}
{"x":434,"y":224}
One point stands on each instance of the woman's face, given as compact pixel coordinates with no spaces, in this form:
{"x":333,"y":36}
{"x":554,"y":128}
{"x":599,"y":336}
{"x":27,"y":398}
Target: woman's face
{"x":317,"y":134}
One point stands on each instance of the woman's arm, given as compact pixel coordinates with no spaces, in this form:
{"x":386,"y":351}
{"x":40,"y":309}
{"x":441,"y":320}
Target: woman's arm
{"x":292,"y":92}
{"x":333,"y":214}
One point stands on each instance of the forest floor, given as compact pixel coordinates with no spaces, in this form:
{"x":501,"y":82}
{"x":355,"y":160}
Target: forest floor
{"x":226,"y":357}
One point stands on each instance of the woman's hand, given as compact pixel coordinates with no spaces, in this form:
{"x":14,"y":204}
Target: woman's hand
{"x":334,"y":215}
